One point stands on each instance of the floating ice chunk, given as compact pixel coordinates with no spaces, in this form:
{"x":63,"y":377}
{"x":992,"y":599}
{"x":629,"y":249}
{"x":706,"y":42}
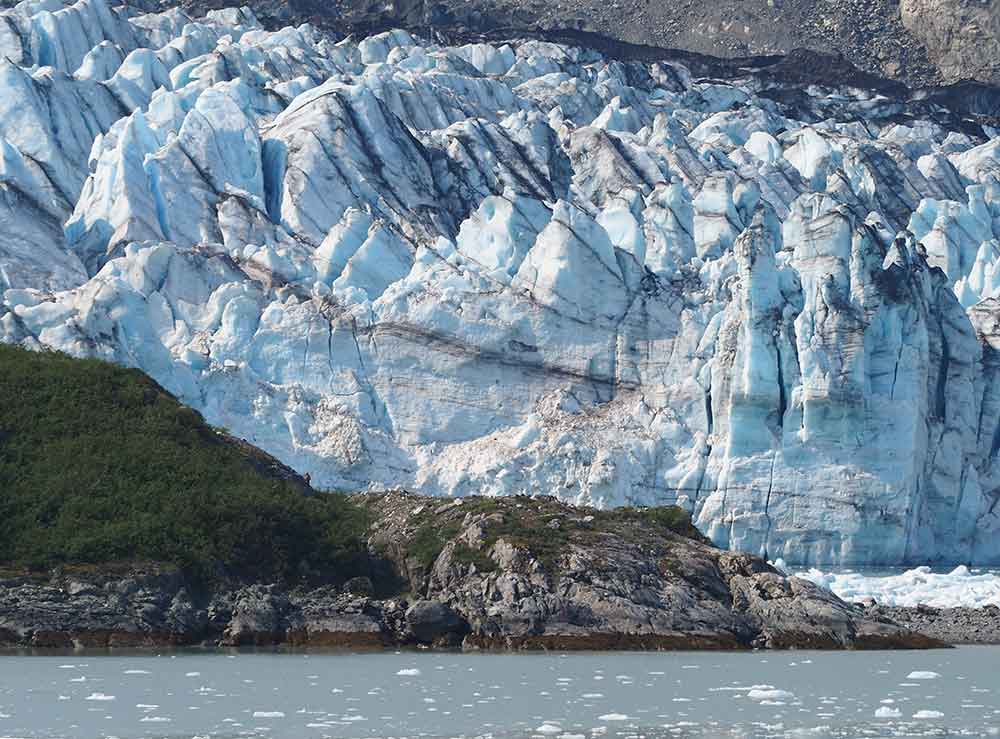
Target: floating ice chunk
{"x":613,"y":717}
{"x":928,"y":715}
{"x":960,"y":587}
{"x":549,"y":728}
{"x":99,"y":697}
{"x":769,"y":695}
{"x":268,"y":714}
{"x":155,"y":720}
{"x":887,"y":712}
{"x":408,"y":672}
{"x":923,"y":675}
{"x":137,"y":672}
{"x":192,"y":674}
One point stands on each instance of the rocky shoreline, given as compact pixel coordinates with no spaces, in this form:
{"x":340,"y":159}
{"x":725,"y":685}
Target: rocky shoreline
{"x":957,"y":626}
{"x":475,"y":573}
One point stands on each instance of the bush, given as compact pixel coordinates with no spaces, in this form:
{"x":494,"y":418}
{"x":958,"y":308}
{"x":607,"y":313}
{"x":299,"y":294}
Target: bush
{"x":100,"y":464}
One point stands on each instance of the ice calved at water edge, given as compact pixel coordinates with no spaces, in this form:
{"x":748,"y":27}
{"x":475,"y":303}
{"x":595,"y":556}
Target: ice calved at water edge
{"x":520,"y":268}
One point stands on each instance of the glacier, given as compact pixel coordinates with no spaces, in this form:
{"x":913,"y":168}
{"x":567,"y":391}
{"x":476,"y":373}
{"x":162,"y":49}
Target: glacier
{"x":521,"y":268}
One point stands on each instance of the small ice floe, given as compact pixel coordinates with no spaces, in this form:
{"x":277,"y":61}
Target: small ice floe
{"x":99,"y":697}
{"x":924,"y":715}
{"x":192,"y":674}
{"x":549,"y":728}
{"x":613,"y":717}
{"x":80,"y":679}
{"x":571,"y":736}
{"x":155,"y":720}
{"x":146,"y":706}
{"x":409,"y":672}
{"x":137,"y":672}
{"x":740,"y":688}
{"x":67,"y":667}
{"x":268,"y":714}
{"x":773,"y":694}
{"x":888,"y":712}
{"x":923,"y":675}
{"x":592,"y":696}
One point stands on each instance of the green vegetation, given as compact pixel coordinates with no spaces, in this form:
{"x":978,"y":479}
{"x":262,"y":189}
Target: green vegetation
{"x":429,"y":541}
{"x":466,"y":555}
{"x":100,"y":464}
{"x":671,"y":518}
{"x":542,"y":526}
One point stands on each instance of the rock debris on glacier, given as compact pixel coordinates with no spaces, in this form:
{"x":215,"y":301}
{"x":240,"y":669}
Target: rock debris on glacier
{"x":520,"y":268}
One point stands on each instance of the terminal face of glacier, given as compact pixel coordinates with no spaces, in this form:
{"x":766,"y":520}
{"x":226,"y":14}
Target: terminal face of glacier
{"x":520,"y":268}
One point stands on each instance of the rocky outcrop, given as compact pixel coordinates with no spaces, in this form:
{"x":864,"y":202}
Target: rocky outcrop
{"x":524,"y":268}
{"x":951,"y":625}
{"x":962,"y":37}
{"x":511,"y":573}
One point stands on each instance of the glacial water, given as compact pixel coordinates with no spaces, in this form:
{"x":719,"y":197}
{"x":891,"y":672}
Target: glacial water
{"x":577,"y":696}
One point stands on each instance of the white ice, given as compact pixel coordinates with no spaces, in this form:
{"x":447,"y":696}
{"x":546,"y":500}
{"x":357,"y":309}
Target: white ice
{"x":960,"y":587}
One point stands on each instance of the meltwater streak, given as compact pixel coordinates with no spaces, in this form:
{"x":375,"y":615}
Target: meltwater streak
{"x":410,"y":694}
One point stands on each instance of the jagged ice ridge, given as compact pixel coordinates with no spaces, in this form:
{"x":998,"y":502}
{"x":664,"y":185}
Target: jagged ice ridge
{"x":521,"y":268}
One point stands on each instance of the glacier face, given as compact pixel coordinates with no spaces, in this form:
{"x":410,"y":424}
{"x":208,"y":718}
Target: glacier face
{"x":520,"y":269}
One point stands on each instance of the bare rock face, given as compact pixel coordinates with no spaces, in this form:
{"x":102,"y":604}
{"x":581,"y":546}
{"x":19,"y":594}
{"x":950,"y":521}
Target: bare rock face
{"x":535,"y":573}
{"x":962,"y":37}
{"x":428,"y":621}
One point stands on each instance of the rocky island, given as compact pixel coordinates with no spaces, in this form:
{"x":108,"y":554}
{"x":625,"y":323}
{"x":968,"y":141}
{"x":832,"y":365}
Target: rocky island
{"x":478,"y":573}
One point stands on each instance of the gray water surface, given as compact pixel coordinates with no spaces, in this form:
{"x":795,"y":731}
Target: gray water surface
{"x":577,"y":696}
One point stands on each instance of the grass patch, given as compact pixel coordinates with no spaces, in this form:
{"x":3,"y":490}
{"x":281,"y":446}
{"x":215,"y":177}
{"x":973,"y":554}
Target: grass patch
{"x":669,"y":518}
{"x":429,"y":541}
{"x":100,"y":464}
{"x":466,"y":555}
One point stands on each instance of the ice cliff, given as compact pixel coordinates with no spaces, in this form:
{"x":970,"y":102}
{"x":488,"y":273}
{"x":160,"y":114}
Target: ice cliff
{"x":520,"y":268}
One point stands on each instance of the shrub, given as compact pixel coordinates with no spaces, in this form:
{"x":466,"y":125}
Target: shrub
{"x":99,"y":463}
